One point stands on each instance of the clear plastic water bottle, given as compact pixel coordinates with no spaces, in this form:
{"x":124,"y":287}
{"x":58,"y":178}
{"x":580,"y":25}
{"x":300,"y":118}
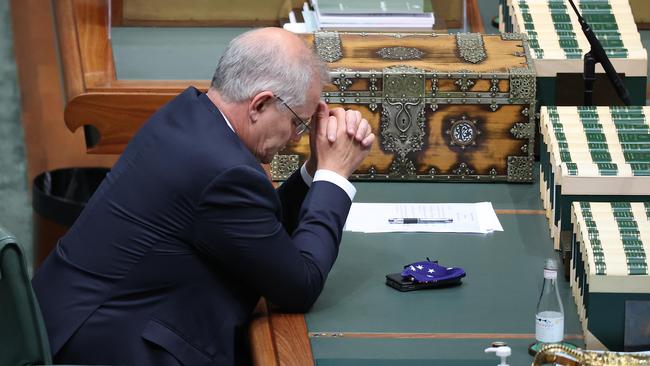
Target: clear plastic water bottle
{"x":549,"y":318}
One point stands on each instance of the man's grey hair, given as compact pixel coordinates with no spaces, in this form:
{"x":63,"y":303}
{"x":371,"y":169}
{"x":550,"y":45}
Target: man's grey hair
{"x":248,"y":67}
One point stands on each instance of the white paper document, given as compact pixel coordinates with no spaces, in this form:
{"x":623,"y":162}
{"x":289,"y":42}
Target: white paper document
{"x":464,"y":217}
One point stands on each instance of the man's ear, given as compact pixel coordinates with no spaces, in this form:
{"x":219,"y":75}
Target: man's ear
{"x":259,"y":104}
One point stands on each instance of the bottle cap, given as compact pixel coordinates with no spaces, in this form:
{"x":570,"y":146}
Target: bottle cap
{"x":550,"y":269}
{"x":551,"y":264}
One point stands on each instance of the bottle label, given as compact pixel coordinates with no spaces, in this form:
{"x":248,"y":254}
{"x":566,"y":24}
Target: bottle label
{"x":550,"y":274}
{"x":549,"y":327}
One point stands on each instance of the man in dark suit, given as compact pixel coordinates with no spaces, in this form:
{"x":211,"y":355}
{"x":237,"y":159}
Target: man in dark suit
{"x":171,"y":254}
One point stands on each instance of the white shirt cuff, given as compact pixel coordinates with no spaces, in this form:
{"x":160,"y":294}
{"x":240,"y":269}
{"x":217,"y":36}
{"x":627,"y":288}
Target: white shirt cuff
{"x":334,"y":178}
{"x":329,"y":176}
{"x":305,"y":176}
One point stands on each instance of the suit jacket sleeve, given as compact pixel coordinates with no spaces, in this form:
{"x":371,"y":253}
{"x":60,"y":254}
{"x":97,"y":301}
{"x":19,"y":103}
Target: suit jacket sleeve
{"x":239,"y":229}
{"x":292,"y":193}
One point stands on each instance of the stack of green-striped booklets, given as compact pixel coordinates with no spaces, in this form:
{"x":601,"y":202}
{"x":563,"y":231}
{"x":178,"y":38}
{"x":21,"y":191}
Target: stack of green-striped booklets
{"x":558,"y":44}
{"x":592,"y":154}
{"x":609,"y":266}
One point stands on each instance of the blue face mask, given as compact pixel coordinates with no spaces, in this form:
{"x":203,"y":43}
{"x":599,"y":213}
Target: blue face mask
{"x":428,"y":271}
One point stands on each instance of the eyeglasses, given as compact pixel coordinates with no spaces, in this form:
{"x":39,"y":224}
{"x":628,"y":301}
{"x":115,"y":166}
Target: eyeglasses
{"x":302,"y":125}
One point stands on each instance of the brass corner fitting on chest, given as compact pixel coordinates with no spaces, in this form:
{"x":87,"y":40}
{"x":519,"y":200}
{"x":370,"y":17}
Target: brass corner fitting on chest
{"x":470,"y":47}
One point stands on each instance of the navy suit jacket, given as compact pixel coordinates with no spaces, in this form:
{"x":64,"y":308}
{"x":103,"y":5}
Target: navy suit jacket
{"x":174,"y":249}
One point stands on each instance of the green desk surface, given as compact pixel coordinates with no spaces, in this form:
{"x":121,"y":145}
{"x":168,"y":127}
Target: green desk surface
{"x":502,"y":196}
{"x":413,"y":352}
{"x":498,"y":296}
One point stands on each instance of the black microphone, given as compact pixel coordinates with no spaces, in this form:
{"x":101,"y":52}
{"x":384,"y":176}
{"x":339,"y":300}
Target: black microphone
{"x":599,"y":55}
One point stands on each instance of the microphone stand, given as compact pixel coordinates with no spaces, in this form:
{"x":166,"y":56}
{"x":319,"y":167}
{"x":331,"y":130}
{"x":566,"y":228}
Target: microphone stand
{"x":597,"y":55}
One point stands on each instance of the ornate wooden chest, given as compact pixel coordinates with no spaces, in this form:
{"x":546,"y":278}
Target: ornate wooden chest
{"x":444,"y":107}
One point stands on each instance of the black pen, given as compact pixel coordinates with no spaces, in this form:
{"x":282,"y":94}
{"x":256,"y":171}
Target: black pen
{"x":420,"y":220}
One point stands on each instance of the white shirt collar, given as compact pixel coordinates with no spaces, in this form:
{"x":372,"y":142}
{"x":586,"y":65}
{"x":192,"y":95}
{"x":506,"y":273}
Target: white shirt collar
{"x":226,"y":119}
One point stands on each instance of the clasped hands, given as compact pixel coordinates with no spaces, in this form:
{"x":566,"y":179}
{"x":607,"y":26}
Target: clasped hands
{"x":339,"y":140}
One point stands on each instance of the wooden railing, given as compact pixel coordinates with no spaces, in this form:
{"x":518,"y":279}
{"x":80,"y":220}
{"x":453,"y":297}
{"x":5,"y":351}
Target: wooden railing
{"x":116,"y":108}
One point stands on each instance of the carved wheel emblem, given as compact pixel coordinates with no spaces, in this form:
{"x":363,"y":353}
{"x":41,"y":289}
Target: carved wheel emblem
{"x":463,"y":132}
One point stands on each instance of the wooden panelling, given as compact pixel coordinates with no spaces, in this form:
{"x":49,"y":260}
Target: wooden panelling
{"x":380,"y":335}
{"x":117,"y":12}
{"x":291,"y":341}
{"x":641,"y":12}
{"x":49,"y":144}
{"x":474,"y":17}
{"x":116,"y":116}
{"x":221,"y":13}
{"x":91,"y":18}
{"x":201,"y":12}
{"x":449,"y":13}
{"x":263,"y":349}
{"x":116,"y":108}
{"x":68,"y":43}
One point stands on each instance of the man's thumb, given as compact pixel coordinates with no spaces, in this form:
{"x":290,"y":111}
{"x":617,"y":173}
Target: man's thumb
{"x":321,"y":116}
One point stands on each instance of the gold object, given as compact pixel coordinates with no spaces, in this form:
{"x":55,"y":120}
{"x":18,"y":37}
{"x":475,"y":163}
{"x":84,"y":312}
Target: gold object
{"x":557,"y":354}
{"x":282,"y":166}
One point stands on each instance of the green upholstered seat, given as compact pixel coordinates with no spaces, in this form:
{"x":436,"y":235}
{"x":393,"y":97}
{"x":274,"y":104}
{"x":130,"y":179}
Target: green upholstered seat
{"x":23,"y":338}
